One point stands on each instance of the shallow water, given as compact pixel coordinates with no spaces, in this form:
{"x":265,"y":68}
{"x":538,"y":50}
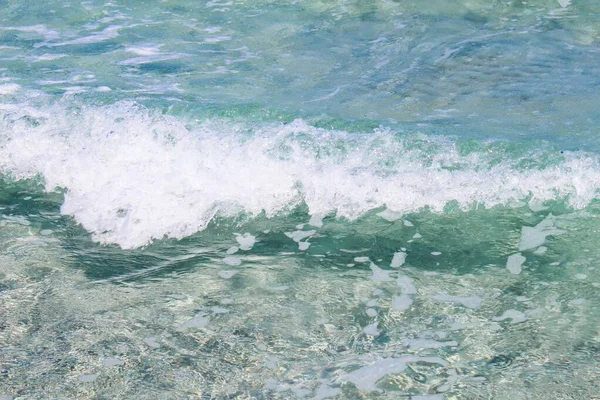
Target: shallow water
{"x":299,"y":200}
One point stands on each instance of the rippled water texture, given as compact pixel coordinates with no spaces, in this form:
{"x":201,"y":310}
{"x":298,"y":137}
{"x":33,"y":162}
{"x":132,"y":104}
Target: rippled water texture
{"x":302,"y":199}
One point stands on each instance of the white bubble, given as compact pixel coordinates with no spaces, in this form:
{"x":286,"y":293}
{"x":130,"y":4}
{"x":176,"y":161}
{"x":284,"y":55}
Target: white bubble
{"x":232,"y":261}
{"x":246,"y":241}
{"x":398,"y":259}
{"x":371,"y":329}
{"x":227,"y":274}
{"x":535,"y":236}
{"x":379,"y":275}
{"x":514,"y":315}
{"x":232,"y":250}
{"x":88,"y":378}
{"x":365,"y":378}
{"x":297,"y":236}
{"x":390,"y":215}
{"x":514,"y":263}
{"x":199,"y":321}
{"x":316,"y":220}
{"x":303,"y":246}
{"x":112,"y":362}
{"x":151,"y":342}
{"x":417,"y":344}
{"x":472,"y":302}
{"x":402,"y":302}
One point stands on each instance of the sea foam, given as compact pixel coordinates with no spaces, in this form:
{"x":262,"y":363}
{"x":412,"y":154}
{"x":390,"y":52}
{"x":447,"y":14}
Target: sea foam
{"x":132,"y":175}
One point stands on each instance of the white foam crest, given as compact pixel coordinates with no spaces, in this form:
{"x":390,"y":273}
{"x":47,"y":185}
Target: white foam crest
{"x":9,"y":88}
{"x":132,"y":176}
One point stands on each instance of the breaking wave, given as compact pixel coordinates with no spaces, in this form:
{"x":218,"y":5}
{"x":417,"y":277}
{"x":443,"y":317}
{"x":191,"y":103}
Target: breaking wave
{"x":132,"y":175}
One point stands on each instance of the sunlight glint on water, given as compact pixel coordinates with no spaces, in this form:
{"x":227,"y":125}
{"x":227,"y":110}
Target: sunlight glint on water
{"x":237,"y":199}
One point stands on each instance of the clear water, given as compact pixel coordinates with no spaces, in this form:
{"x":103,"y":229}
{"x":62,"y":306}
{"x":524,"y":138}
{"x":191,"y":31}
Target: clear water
{"x":231,"y":199}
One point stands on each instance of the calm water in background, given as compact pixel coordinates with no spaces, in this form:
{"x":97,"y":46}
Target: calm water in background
{"x":343,"y":199}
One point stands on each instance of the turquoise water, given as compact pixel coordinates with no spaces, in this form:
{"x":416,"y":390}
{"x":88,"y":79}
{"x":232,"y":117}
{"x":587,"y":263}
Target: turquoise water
{"x":343,"y":200}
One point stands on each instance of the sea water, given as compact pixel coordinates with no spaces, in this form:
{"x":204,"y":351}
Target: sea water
{"x":299,"y":199}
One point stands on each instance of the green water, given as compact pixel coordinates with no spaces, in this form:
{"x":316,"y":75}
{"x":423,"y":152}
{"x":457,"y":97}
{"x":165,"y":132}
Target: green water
{"x":317,"y":200}
{"x":173,"y":321}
